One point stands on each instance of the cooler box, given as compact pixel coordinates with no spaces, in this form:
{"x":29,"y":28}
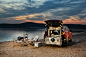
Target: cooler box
{"x":37,"y":44}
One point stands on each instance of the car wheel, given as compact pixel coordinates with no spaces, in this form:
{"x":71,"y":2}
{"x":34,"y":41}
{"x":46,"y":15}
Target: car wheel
{"x":64,"y":43}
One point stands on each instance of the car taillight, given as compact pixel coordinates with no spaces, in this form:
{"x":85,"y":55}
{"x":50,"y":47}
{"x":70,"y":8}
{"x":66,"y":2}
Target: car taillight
{"x":44,"y":35}
{"x":63,"y":33}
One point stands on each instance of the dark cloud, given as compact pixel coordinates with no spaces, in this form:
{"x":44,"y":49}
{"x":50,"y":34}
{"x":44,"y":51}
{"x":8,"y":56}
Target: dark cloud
{"x":39,"y":16}
{"x":11,"y":13}
{"x":73,"y":20}
{"x":74,"y":9}
{"x":10,"y":20}
{"x":76,"y":20}
{"x":30,"y":10}
{"x":66,"y":8}
{"x":82,"y":16}
{"x":27,"y":10}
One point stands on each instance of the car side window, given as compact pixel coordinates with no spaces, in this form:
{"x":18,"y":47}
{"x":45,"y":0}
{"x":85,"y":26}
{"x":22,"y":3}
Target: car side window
{"x":66,"y":28}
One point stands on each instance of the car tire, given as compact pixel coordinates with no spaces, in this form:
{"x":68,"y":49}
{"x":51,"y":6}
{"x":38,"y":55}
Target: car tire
{"x":64,"y":43}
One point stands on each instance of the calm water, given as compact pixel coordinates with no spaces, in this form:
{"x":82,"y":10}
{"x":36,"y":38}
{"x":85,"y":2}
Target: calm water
{"x":8,"y":34}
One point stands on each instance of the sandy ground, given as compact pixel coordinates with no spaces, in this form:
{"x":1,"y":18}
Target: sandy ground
{"x":75,"y":49}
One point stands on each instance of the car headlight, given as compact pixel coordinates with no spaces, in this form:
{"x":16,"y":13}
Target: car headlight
{"x":63,"y":33}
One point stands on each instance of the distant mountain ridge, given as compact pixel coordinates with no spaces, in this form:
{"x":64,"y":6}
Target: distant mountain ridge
{"x":77,"y":26}
{"x":22,"y":25}
{"x":31,"y":24}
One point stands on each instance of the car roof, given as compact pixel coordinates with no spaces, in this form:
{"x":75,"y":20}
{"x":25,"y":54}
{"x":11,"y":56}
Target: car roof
{"x":53,"y":20}
{"x":64,"y":26}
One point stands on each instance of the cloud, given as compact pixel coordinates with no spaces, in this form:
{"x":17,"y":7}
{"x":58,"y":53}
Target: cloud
{"x":77,"y":1}
{"x":74,"y":20}
{"x":10,"y":20}
{"x":61,"y":1}
{"x":20,"y":7}
{"x":22,"y":4}
{"x":38,"y":17}
{"x":1,"y":10}
{"x":82,"y":15}
{"x":64,"y":11}
{"x":40,"y":10}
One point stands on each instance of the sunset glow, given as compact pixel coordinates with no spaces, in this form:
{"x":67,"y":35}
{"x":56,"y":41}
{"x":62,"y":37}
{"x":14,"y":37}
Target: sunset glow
{"x":19,"y":11}
{"x":74,"y":20}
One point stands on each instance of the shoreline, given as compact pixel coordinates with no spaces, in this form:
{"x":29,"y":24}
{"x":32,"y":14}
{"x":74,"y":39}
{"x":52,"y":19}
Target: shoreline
{"x":73,"y":33}
{"x":75,"y":49}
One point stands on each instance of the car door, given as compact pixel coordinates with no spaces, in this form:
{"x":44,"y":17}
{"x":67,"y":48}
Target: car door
{"x":66,"y":31}
{"x":69,"y":33}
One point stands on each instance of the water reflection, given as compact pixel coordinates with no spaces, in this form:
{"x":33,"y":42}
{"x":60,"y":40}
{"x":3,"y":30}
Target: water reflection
{"x":8,"y":34}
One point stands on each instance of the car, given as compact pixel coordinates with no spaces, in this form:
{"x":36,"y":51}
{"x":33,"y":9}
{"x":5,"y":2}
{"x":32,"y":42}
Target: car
{"x":56,"y":33}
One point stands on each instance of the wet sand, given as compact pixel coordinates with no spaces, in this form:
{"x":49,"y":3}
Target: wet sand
{"x":75,"y":49}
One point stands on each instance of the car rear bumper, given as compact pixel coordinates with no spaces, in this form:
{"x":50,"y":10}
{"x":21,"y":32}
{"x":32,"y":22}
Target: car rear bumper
{"x":56,"y":41}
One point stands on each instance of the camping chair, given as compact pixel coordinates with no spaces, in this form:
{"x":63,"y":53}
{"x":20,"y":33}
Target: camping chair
{"x":32,"y":40}
{"x":24,"y":42}
{"x":20,"y":43}
{"x":15,"y":42}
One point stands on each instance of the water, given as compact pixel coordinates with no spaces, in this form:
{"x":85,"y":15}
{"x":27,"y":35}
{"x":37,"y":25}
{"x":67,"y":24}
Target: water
{"x":7,"y":34}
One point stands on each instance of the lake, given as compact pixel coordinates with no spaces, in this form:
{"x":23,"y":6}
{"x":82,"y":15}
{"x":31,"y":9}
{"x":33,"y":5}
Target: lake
{"x":7,"y":34}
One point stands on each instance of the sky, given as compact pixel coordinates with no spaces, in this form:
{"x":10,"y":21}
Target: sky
{"x":20,"y":11}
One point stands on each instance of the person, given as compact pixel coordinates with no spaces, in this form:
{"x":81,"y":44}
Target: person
{"x":47,"y":26}
{"x":26,"y":36}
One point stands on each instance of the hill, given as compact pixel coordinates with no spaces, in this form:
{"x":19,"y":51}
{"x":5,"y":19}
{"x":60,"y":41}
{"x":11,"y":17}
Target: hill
{"x":38,"y":25}
{"x":22,"y":25}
